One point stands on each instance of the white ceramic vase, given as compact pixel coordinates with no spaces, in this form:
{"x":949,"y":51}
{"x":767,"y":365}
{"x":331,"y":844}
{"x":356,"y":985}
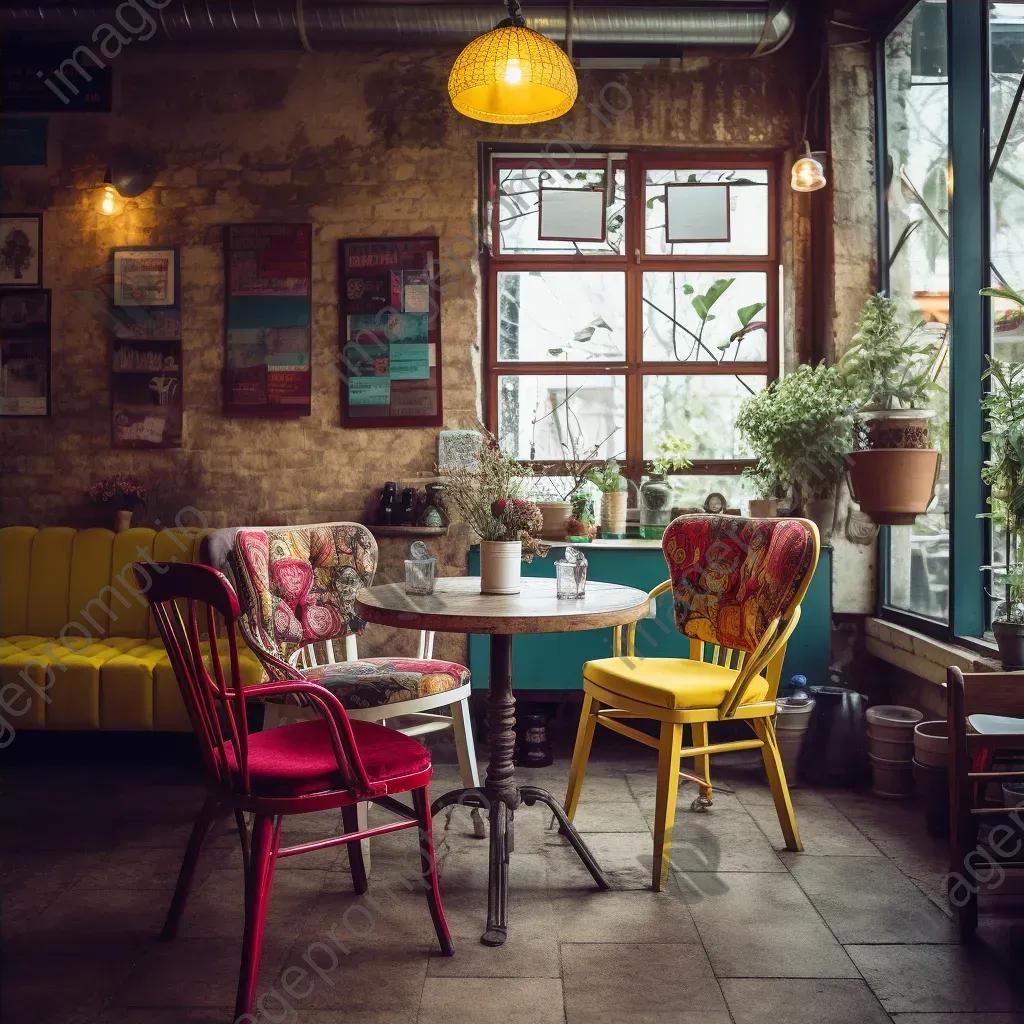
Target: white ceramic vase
{"x":501,"y":566}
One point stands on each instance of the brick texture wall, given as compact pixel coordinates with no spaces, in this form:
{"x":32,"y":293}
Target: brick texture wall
{"x":358,"y":143}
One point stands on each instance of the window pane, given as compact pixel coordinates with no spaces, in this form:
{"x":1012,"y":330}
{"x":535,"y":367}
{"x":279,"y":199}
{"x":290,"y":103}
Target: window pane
{"x":518,"y":210}
{"x":700,"y":408}
{"x":917,"y":121}
{"x":537,"y":415}
{"x":690,"y":316}
{"x":689,"y":490}
{"x":748,"y":212}
{"x":561,"y":316}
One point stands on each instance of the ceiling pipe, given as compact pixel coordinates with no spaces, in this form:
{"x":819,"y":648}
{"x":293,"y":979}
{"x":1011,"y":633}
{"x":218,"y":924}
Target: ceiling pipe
{"x":750,"y":27}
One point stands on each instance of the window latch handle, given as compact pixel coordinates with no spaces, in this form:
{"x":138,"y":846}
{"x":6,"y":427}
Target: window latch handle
{"x":636,"y":255}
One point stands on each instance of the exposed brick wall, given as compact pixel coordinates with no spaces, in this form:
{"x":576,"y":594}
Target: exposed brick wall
{"x":358,"y":143}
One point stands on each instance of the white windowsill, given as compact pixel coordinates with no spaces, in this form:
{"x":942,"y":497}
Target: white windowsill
{"x":922,"y":655}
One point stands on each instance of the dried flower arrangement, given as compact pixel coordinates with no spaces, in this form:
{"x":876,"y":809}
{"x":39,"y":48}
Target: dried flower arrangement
{"x":122,"y":491}
{"x":486,"y":496}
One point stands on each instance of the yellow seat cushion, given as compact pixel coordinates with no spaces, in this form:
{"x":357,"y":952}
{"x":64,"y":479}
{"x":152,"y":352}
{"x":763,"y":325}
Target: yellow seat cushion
{"x":674,"y":683}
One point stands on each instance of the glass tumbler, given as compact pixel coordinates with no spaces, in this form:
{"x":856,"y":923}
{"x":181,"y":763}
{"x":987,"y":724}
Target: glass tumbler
{"x":571,"y":580}
{"x":419,"y":575}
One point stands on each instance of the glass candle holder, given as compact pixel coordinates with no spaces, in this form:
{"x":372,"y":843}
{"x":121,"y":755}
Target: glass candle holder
{"x":571,"y":580}
{"x":419,"y":575}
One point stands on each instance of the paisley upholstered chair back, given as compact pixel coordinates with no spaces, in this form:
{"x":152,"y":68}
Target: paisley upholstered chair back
{"x":731,"y":577}
{"x":298,"y":584}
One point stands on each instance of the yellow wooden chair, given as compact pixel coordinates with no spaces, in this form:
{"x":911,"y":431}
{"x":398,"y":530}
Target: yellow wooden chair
{"x":737,"y":586}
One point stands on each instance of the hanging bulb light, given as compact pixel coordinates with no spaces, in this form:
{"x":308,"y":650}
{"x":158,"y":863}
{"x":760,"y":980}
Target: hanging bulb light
{"x":108,"y":205}
{"x":808,"y":174}
{"x":512,"y":75}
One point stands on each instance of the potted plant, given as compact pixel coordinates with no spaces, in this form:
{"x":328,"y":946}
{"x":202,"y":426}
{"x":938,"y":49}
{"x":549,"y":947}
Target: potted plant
{"x":1004,"y":473}
{"x":764,"y":480}
{"x":655,"y":492}
{"x":612,"y":485}
{"x":798,"y":429}
{"x":121,"y":492}
{"x":486,"y":495}
{"x":890,"y":373}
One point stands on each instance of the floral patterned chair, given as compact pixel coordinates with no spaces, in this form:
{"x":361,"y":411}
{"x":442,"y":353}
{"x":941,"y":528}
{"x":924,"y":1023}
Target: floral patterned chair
{"x":297,"y":586}
{"x":736,"y":585}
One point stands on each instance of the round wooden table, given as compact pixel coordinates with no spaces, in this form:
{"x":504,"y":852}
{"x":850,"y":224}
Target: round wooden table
{"x":457,"y":606}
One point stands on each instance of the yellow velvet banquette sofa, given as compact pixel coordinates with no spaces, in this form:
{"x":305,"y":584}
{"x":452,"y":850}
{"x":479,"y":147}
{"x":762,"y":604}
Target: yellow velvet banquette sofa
{"x":78,"y":646}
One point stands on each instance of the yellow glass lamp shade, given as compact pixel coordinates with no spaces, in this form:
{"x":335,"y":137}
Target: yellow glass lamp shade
{"x":808,"y":174}
{"x":512,"y":75}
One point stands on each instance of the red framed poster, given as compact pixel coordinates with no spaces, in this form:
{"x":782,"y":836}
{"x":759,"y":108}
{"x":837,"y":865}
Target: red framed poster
{"x":267,"y":320}
{"x":390,"y":332}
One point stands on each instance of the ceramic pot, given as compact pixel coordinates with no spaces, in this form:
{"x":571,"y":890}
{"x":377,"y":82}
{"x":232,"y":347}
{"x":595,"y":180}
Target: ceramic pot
{"x":1010,"y":638}
{"x":892,"y":780}
{"x":763,"y":508}
{"x":821,"y":512}
{"x":893,"y":485}
{"x":556,"y":514}
{"x":834,"y":750}
{"x":122,"y":520}
{"x":501,"y":566}
{"x":613,"y":514}
{"x":791,"y":722}
{"x":931,"y":744}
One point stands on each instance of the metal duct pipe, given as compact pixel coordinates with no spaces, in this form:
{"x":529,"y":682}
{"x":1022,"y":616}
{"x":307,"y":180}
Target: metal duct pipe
{"x":755,"y":27}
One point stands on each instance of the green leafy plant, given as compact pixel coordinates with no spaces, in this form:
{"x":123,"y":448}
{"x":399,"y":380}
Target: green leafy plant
{"x":702,"y":305}
{"x":764,"y":480}
{"x":1003,"y":405}
{"x":889,"y":366}
{"x":672,"y":452}
{"x":799,"y":431}
{"x":608,"y":479}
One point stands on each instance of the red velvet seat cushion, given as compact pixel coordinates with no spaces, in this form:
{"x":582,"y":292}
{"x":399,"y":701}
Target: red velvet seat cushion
{"x":295,"y":759}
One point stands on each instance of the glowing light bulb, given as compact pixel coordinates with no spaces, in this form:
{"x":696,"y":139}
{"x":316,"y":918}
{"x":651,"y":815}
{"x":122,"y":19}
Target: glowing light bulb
{"x":513,"y":72}
{"x":109,"y":205}
{"x":808,"y":174}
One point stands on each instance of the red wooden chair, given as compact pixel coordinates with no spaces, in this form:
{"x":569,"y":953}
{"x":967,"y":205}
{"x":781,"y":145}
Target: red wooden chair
{"x":330,"y":762}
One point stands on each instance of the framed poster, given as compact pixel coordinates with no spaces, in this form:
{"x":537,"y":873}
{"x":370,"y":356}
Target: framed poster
{"x":572,"y":215}
{"x":21,"y":250}
{"x":390,"y":332}
{"x":268,"y":341}
{"x":25,"y":352}
{"x":145,"y":276}
{"x":697,"y":211}
{"x":146,"y":380}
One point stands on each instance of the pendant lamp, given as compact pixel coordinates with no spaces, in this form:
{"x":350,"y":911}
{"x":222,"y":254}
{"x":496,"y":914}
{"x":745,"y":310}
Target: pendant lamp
{"x":808,"y":174}
{"x":512,"y":75}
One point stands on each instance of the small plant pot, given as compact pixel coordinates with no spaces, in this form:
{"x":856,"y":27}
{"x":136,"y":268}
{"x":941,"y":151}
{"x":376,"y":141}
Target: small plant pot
{"x":892,"y":780}
{"x":501,"y":566}
{"x":821,"y":512}
{"x":763,"y":508}
{"x":931,"y":744}
{"x":893,"y":485}
{"x":613,"y":513}
{"x":791,"y":723}
{"x":555,"y":514}
{"x":122,"y":520}
{"x":1010,"y":638}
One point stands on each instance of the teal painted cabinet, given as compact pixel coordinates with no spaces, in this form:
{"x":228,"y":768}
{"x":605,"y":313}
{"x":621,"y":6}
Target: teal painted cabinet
{"x":554,"y":661}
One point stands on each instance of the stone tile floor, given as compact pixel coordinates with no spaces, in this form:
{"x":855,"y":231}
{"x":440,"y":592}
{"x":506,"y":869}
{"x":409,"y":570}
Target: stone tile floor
{"x":852,"y":930}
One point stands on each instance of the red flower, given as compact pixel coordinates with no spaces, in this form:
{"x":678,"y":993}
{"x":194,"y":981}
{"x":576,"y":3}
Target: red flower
{"x":499,"y":508}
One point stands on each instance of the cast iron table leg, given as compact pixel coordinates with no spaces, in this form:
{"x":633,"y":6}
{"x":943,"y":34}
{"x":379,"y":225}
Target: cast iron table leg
{"x":502,"y":796}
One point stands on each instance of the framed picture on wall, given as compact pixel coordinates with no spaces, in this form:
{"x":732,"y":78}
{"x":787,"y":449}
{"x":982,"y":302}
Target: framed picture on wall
{"x":145,"y":276}
{"x":25,"y":352}
{"x":21,"y":250}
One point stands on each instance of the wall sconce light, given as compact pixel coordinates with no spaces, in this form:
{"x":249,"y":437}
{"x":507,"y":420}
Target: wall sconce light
{"x":128,"y":176}
{"x":808,"y":173}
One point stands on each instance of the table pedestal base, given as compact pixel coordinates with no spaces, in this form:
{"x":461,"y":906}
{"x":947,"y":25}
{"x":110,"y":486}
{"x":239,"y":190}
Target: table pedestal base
{"x":502,"y":843}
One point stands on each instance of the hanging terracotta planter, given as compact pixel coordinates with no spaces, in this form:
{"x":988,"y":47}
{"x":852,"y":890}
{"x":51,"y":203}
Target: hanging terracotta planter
{"x":893,"y":478}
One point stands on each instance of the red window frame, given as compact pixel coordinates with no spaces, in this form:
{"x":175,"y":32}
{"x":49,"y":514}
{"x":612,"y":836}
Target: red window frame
{"x":634,"y":262}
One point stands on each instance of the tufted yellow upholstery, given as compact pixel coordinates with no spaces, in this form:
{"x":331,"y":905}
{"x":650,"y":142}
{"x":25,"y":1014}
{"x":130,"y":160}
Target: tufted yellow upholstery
{"x":78,"y":646}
